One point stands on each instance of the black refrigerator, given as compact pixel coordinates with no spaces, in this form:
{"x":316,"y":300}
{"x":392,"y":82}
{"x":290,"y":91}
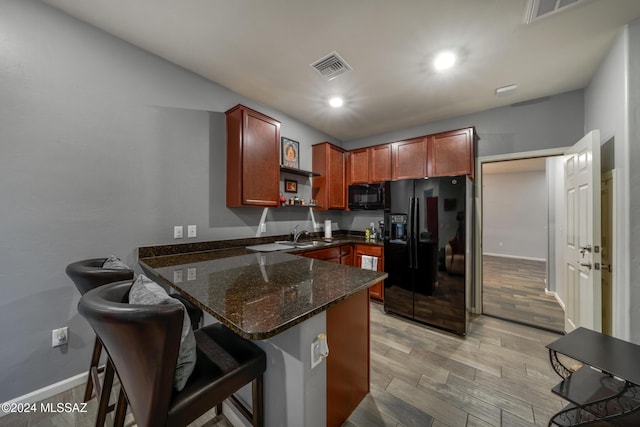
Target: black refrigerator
{"x":427,"y":246}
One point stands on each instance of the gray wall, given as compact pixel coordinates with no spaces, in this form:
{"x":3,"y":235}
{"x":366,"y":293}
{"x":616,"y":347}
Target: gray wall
{"x":634,"y":178}
{"x":514,"y":214}
{"x":607,"y":101}
{"x":557,"y":121}
{"x":104,"y":148}
{"x":360,"y":220}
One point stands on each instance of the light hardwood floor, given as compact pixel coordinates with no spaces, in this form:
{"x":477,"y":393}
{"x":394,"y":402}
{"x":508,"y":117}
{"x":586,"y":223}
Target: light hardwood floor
{"x":498,"y":375}
{"x":514,"y":289}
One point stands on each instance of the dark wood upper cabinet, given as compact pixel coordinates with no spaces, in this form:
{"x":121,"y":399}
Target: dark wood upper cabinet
{"x":358,"y":163}
{"x":369,"y":165}
{"x":253,"y":151}
{"x":329,"y":188}
{"x":452,"y":153}
{"x":380,"y":163}
{"x":409,"y":159}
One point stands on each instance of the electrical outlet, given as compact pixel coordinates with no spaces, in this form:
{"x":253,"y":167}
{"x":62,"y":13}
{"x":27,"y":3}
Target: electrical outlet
{"x":177,"y":232}
{"x":315,"y":359}
{"x":191,"y":273}
{"x":60,"y":336}
{"x":192,"y":231}
{"x":177,"y":276}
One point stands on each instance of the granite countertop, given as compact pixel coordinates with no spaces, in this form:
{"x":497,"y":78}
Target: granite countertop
{"x":259,"y":295}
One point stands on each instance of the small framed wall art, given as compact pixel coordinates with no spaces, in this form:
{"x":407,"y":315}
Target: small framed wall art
{"x":290,"y":186}
{"x":289,"y":153}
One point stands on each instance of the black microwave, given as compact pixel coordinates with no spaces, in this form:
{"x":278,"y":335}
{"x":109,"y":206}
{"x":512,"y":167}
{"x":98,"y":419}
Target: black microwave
{"x":366,"y":196}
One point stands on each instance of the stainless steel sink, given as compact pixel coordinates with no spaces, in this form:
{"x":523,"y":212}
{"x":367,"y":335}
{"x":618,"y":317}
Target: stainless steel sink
{"x":285,"y":245}
{"x":301,"y":245}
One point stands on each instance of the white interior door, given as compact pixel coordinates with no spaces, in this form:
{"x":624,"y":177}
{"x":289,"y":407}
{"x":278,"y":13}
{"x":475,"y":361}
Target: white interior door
{"x":582,"y":249}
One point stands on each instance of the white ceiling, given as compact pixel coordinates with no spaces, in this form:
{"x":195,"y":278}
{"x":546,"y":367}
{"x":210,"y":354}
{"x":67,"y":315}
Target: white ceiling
{"x":262,"y":49}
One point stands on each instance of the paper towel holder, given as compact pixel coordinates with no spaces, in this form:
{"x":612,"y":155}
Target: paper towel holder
{"x":327,"y":230}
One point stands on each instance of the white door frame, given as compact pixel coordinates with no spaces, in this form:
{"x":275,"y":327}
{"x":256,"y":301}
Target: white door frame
{"x":476,"y":298}
{"x":612,"y":176}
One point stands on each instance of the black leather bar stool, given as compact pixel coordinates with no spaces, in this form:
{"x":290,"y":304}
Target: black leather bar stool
{"x":87,"y":275}
{"x":225,"y":362}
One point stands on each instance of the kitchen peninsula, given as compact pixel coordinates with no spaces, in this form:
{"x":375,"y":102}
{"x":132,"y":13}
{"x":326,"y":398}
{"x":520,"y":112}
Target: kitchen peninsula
{"x":282,"y":301}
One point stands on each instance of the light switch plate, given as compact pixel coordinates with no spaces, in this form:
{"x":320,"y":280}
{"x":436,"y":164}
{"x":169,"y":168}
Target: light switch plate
{"x":177,"y":276}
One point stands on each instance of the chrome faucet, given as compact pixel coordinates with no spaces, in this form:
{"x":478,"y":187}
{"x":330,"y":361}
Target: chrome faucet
{"x":297,"y":234}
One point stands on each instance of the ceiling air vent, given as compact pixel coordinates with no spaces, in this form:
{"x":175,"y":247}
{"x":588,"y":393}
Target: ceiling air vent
{"x":537,"y":9}
{"x":331,"y":66}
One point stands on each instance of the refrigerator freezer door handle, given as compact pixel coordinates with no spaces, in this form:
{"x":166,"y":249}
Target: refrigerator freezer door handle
{"x":416,"y":230}
{"x":409,"y":231}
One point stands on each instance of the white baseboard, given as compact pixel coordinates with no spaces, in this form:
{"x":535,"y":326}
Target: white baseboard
{"x":515,"y":257}
{"x":230,"y":412}
{"x":555,"y":295}
{"x":49,"y":391}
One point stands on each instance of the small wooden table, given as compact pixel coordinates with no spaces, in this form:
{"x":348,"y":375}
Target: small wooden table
{"x":606,"y":388}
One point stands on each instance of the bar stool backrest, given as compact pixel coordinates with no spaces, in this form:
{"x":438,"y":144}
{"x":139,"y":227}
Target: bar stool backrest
{"x":88,"y":274}
{"x":142,"y":341}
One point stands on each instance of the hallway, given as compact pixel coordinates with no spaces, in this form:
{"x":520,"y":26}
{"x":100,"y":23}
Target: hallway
{"x":513,"y":289}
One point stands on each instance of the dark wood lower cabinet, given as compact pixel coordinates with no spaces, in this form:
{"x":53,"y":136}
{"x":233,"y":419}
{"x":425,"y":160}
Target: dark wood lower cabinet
{"x":348,"y":361}
{"x":348,"y":340}
{"x":338,"y":254}
{"x":376,"y":291}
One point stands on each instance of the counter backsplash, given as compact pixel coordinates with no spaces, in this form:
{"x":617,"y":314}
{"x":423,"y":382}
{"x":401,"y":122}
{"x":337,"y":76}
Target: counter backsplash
{"x":181,"y":248}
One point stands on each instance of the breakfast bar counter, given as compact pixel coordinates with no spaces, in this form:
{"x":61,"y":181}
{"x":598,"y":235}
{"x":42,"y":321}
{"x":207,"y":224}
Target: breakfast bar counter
{"x":284,"y":302}
{"x":259,"y":295}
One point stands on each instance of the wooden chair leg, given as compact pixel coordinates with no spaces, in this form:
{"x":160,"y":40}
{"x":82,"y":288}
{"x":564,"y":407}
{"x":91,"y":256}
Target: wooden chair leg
{"x":121,"y":409}
{"x":257,"y":394}
{"x":104,"y":392}
{"x":219,"y":409}
{"x":256,"y":415}
{"x":95,"y":360}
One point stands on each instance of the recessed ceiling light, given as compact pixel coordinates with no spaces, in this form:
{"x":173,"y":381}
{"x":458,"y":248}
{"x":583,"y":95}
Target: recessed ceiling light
{"x":444,"y":60}
{"x":336,"y":102}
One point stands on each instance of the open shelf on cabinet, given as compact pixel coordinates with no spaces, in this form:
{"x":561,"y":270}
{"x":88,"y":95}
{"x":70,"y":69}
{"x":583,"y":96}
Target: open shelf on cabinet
{"x":298,"y":171}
